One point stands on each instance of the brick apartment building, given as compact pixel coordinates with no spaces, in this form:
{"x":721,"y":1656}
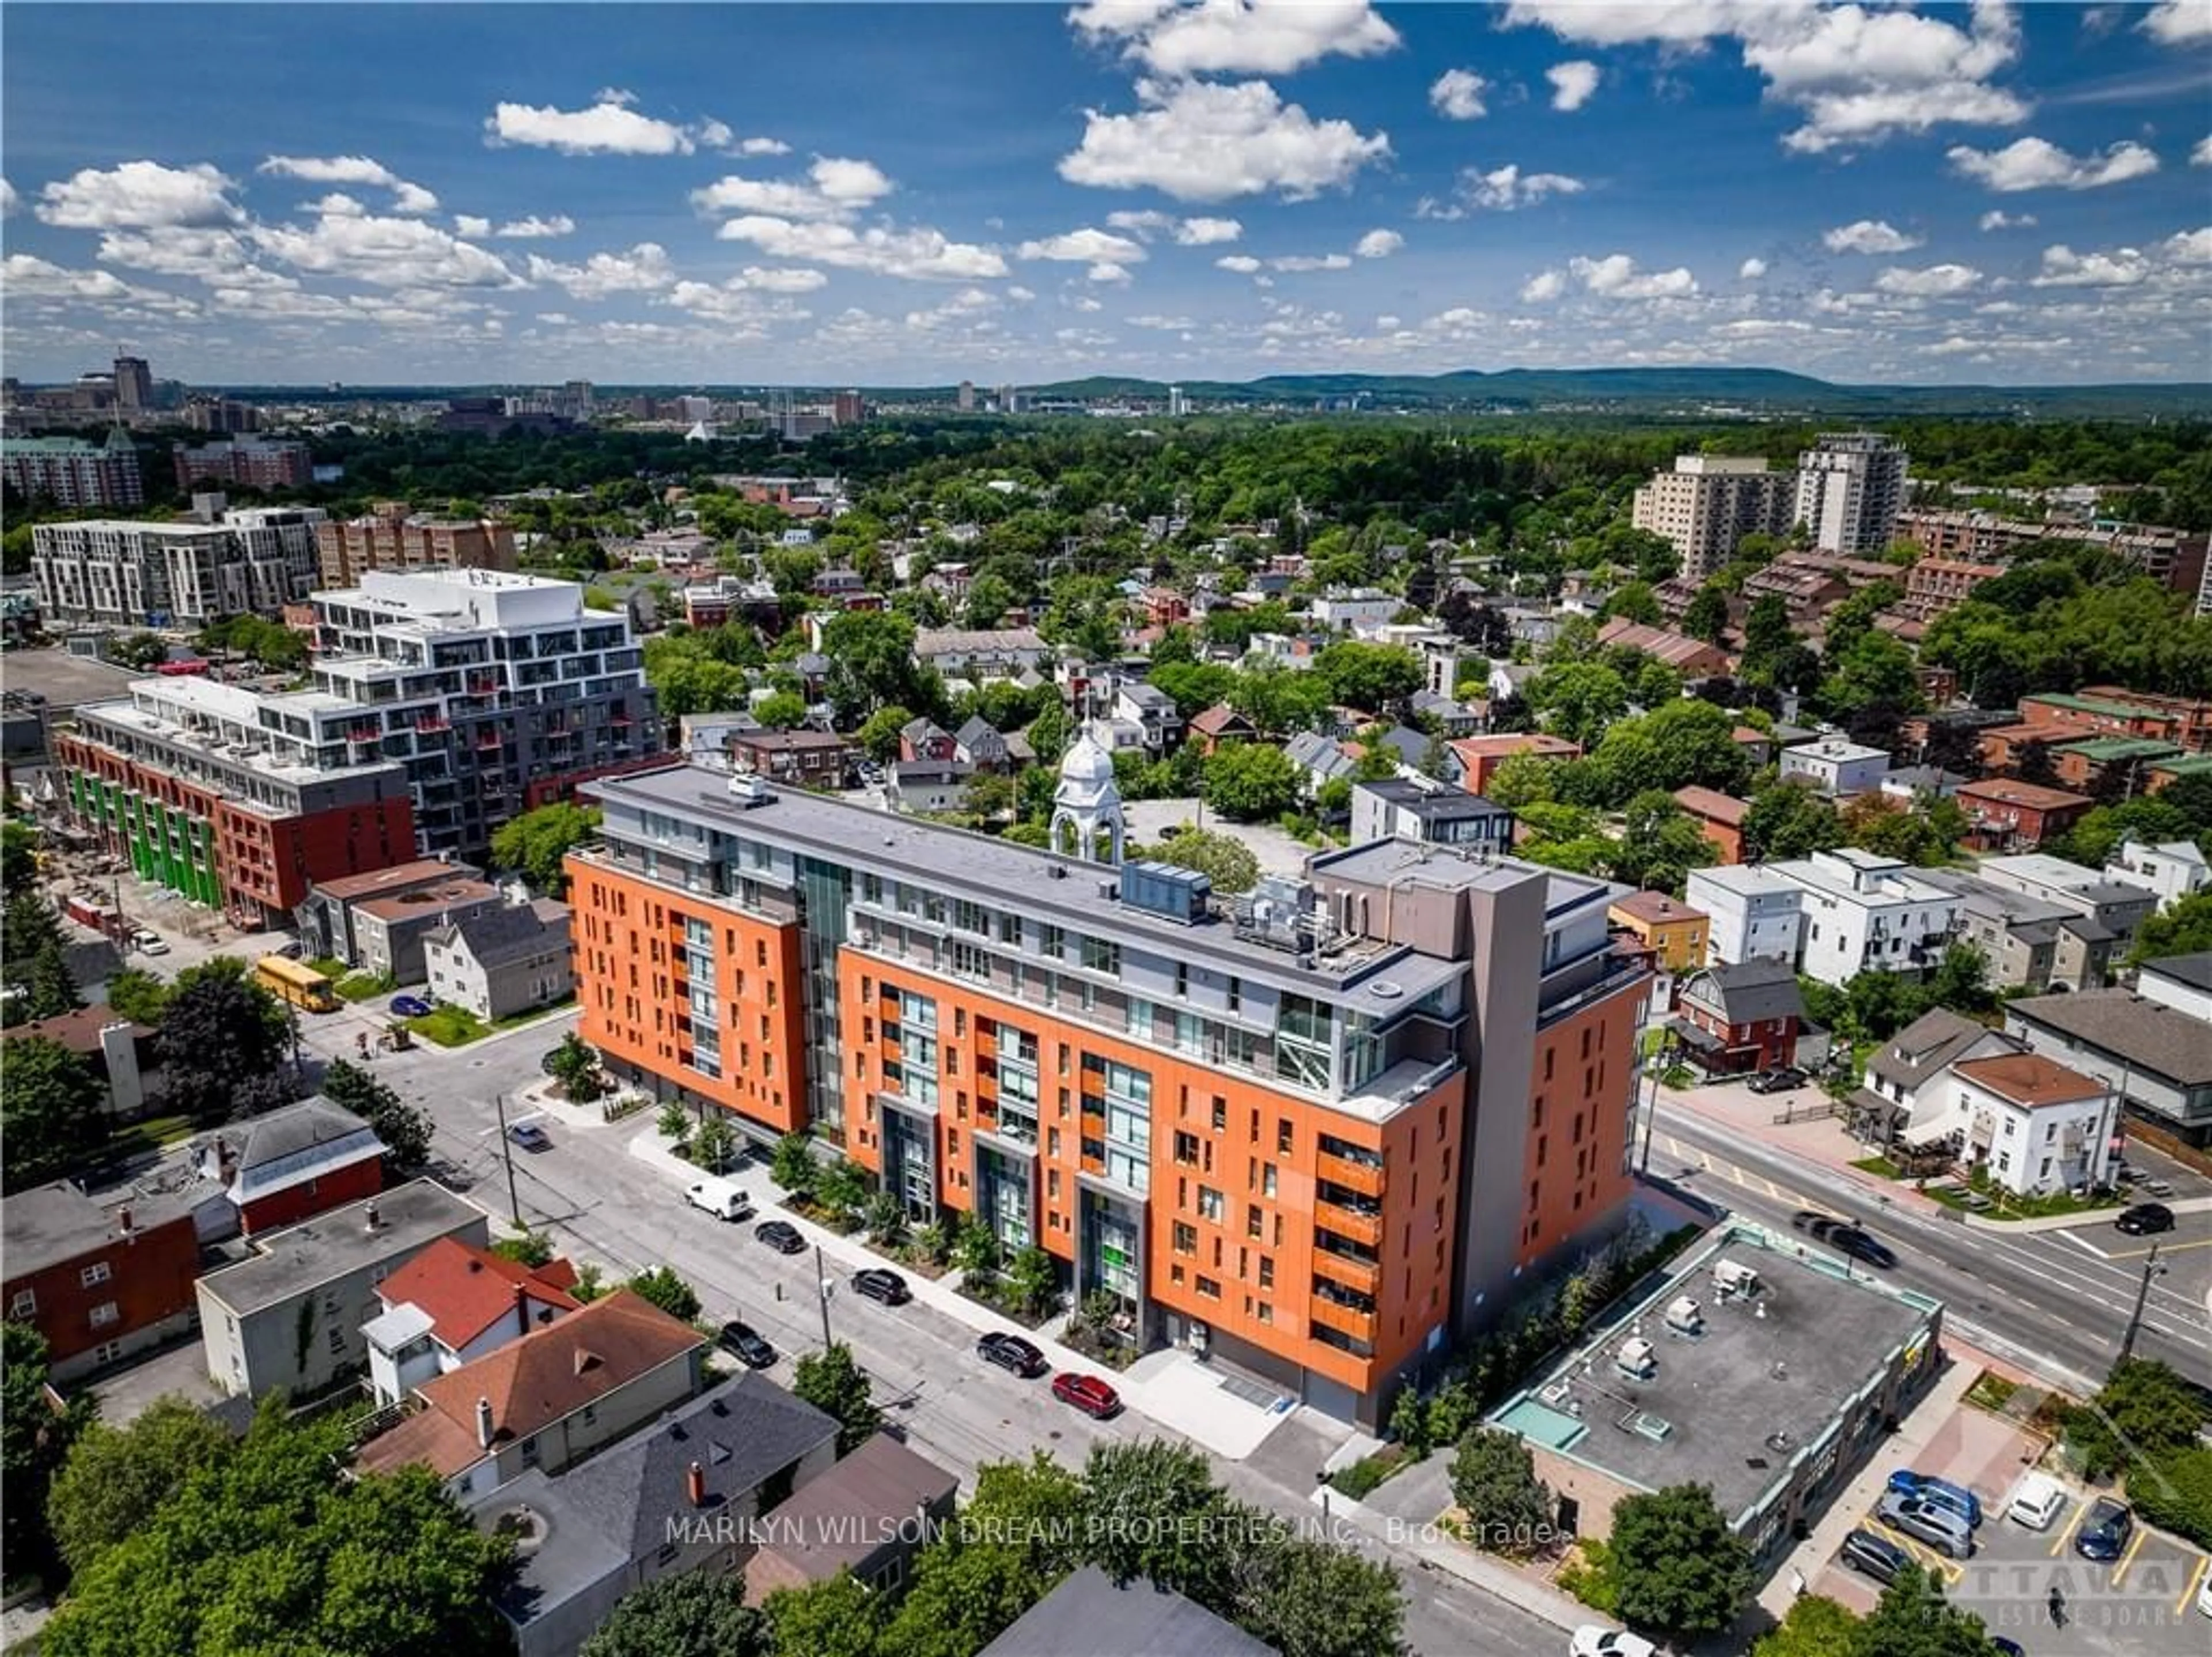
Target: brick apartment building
{"x":392,"y":536}
{"x":2175,"y":558}
{"x":99,"y":1283}
{"x":247,"y":462}
{"x":2006,"y":815}
{"x":1313,"y":1132}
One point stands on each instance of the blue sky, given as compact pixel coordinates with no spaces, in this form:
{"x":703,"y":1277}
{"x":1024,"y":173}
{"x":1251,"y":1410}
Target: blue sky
{"x":822,"y":194}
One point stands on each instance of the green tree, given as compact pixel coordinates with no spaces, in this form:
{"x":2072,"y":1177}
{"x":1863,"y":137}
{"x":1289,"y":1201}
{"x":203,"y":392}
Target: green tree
{"x":225,"y":1045}
{"x":1050,"y":732}
{"x":841,"y":1186}
{"x":533,"y":844}
{"x":792,"y":1164}
{"x":575,"y":1065}
{"x":19,"y":857}
{"x":1815,"y":1627}
{"x":2143,"y":1409}
{"x":1913,"y":1619}
{"x":1767,"y":637}
{"x":784,"y":710}
{"x":1279,"y":700}
{"x":1152,"y":1504}
{"x":1707,"y":617}
{"x":138,"y":995}
{"x":661,"y":1287}
{"x":841,"y":1617}
{"x":1305,"y":1598}
{"x":116,"y":1478}
{"x":1370,"y":676}
{"x":404,"y":1128}
{"x":35,"y":1440}
{"x":1678,"y":1566}
{"x":1020,"y":1534}
{"x":2183,"y":929}
{"x":834,"y":1384}
{"x":1222,"y":858}
{"x":699,"y":1613}
{"x":1032,"y":1279}
{"x":1523,"y":779}
{"x":1633,"y":601}
{"x":884,"y":1218}
{"x":1493,"y":1481}
{"x":49,"y":990}
{"x":975,"y":1248}
{"x":50,"y":1103}
{"x":1248,"y":782}
{"x":1789,"y":819}
{"x":878,"y":735}
{"x":872,"y":665}
{"x":1195,"y":685}
{"x":1680,"y":744}
{"x":276,"y":1549}
{"x":1579,"y":700}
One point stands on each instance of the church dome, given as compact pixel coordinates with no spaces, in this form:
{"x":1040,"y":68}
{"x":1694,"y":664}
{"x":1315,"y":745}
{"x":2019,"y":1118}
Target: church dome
{"x":1086,"y":762}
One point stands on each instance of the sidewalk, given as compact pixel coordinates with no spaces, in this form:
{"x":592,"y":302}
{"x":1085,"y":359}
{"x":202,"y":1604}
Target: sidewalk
{"x":1436,"y":1549}
{"x":1169,"y":1386}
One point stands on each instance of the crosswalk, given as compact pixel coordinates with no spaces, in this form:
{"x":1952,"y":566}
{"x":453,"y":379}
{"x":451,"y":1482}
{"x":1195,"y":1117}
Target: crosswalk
{"x":1693,"y":1156}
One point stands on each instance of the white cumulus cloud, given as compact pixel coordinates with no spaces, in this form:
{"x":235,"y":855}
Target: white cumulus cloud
{"x":1503,"y":189}
{"x":644,"y":269}
{"x":917,"y":253}
{"x":353,"y":169}
{"x":834,"y":187}
{"x":2200,"y":156}
{"x":1241,"y":264}
{"x":2038,"y":164}
{"x":1379,"y":244}
{"x":2179,"y":23}
{"x":533,"y":227}
{"x":1869,"y":236}
{"x":1199,"y":141}
{"x":1997,"y":219}
{"x":1231,"y":37}
{"x":472,"y":226}
{"x":1572,"y":83}
{"x":1752,"y":269}
{"x":140,"y":195}
{"x":386,"y":252}
{"x":1208,"y":232}
{"x":2124,"y":267}
{"x":1932,"y":282}
{"x":1544,"y":287}
{"x":1311,"y":262}
{"x":609,"y":126}
{"x":1085,"y":246}
{"x":1456,"y":94}
{"x":1616,"y":277}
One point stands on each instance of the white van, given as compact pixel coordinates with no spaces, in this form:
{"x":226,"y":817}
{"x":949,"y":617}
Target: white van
{"x":723,"y":1198}
{"x":2039,"y":1500}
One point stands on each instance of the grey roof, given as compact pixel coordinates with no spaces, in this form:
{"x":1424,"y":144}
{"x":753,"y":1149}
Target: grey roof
{"x":1925,"y":776}
{"x":2195,"y":971}
{"x":338,"y":1242}
{"x":1409,"y":744}
{"x":2146,"y":1034}
{"x":957,"y":641}
{"x":920,"y":730}
{"x":1433,"y":805}
{"x":1749,"y":991}
{"x":1924,"y":1047}
{"x":1321,"y":755}
{"x":1148,"y":696}
{"x":910,"y":772}
{"x":50,"y":1224}
{"x":845,"y":1515}
{"x":509,"y":933}
{"x":1088,"y":1612}
{"x":979,"y":736}
{"x":289,"y":1144}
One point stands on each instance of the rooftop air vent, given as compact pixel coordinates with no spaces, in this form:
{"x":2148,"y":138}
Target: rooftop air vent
{"x":1658,"y":1428}
{"x":1384,"y":989}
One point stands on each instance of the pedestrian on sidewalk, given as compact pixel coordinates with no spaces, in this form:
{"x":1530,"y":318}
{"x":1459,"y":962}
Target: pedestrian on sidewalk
{"x":2057,"y":1604}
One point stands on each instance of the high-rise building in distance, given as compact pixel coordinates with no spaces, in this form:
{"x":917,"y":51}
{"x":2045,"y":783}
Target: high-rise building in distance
{"x":1850,"y":487}
{"x":134,"y":384}
{"x":964,"y":399}
{"x":132,"y":573}
{"x":1708,"y":502}
{"x":70,"y":472}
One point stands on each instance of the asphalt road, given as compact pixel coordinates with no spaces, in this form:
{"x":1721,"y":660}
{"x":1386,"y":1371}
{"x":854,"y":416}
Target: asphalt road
{"x":2054,"y":1302}
{"x":599,"y":1203}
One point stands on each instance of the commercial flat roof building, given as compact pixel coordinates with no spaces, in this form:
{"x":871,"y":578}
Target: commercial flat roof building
{"x":391,"y":537}
{"x":1313,"y":1130}
{"x":130,"y":573}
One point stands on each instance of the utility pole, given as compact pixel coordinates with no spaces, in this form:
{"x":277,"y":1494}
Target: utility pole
{"x":821,"y":1288}
{"x":2151,"y":1268}
{"x":1651,"y":1067}
{"x":506,"y":1150}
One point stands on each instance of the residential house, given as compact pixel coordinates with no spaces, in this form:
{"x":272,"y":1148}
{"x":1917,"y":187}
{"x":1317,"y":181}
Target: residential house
{"x":979,"y":744}
{"x":2172,"y":869}
{"x":2102,"y":764}
{"x":1719,"y":817}
{"x":1835,"y":767}
{"x":808,"y":758}
{"x":1449,"y":715}
{"x":504,"y":961}
{"x":1755,"y":744}
{"x":291,"y":1316}
{"x":1349,"y":609}
{"x":981,"y":653}
{"x":2029,"y":942}
{"x":1908,"y":1076}
{"x":99,"y":1282}
{"x":390,"y":932}
{"x":1322,"y":758}
{"x":451,"y":1305}
{"x":704,"y":739}
{"x":920,"y":785}
{"x":1692,"y":658}
{"x":925,"y":740}
{"x":1480,"y":757}
{"x":2036,"y":1126}
{"x":1509,"y":679}
{"x":1152,"y":711}
{"x":1910,"y":785}
{"x":2159,"y":1058}
{"x":2006,"y":815}
{"x":326,"y":919}
{"x":1864,"y":912}
{"x":2109,"y":710}
{"x":124,"y":1057}
{"x":1674,"y":932}
{"x":278,"y":1168}
{"x":1218,"y":724}
{"x":2181,"y":982}
{"x":2115,"y":906}
{"x":1399,"y":809}
{"x":546,"y":1401}
{"x":1089,"y":1611}
{"x":869,"y":1514}
{"x":1733,"y":1020}
{"x":691,"y":1492}
{"x":1755,"y":915}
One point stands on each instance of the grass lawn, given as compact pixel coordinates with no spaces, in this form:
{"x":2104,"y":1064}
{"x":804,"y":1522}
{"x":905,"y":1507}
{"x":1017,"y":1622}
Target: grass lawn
{"x":1880,"y":1166}
{"x":331,"y":967}
{"x":456,"y":1027}
{"x":154,"y":1133}
{"x":361,"y":986}
{"x":2003,"y":1205}
{"x":1991,"y":1391}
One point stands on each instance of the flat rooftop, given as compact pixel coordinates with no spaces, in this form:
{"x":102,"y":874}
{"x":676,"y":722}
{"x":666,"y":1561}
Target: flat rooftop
{"x":1456,"y":868}
{"x":49,"y":1224}
{"x":1036,"y":882}
{"x":408,"y":1217}
{"x":1735,"y":1406}
{"x":128,"y":717}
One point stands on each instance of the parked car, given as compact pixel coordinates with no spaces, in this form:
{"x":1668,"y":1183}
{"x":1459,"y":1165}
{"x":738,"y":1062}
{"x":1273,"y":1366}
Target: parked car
{"x":878,"y":1284}
{"x":781,"y":1236}
{"x":1087,"y":1393}
{"x":2039,"y":1500}
{"x":1012,"y":1352}
{"x":149,"y":943}
{"x":1874,"y":1556}
{"x":1941,"y":1491}
{"x":723,"y":1198}
{"x":744,"y":1343}
{"x":1923,"y":1522}
{"x":411,"y":1007}
{"x":2143,"y":1219}
{"x":1778,"y":1081}
{"x":2105,"y":1530}
{"x":1591,"y":1641}
{"x":531,"y":1136}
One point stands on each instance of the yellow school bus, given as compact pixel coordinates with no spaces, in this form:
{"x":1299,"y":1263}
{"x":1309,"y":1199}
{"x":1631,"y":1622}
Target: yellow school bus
{"x":295,"y":981}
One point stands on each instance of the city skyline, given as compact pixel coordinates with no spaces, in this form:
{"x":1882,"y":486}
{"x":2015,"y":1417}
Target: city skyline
{"x":1949,"y":195}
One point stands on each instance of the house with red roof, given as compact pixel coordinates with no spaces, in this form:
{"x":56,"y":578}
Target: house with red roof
{"x":453,"y":1304}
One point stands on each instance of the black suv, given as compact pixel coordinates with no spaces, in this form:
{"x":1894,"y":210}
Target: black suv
{"x":1012,"y":1352}
{"x":878,"y":1284}
{"x":744,"y":1343}
{"x":781,"y":1236}
{"x":1778,"y":1081}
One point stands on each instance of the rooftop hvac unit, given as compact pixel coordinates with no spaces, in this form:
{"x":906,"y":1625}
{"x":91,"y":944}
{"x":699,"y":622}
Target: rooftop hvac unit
{"x":1637,"y":1359}
{"x":1685,"y":1316}
{"x":1733,"y":1278}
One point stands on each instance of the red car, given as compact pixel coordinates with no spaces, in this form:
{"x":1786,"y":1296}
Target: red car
{"x":1087,"y":1393}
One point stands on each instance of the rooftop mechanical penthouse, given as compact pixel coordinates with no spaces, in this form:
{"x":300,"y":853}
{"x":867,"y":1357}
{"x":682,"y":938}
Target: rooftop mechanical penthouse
{"x":1312,"y":1130}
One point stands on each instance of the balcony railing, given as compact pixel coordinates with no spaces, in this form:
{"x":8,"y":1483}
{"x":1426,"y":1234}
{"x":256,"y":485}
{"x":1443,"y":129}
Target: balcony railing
{"x":1359,"y":1326}
{"x":1364,"y":1178}
{"x":1347,"y":1222}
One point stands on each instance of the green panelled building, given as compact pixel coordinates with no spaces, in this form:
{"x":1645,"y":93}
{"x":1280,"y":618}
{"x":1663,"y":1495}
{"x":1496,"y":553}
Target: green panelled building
{"x":164,"y":845}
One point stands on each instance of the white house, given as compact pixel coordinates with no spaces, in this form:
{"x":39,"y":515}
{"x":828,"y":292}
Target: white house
{"x":1347,"y":608}
{"x":2172,"y":869}
{"x":2117,"y":906}
{"x":2181,"y":982}
{"x":1755,"y":915}
{"x":1865,"y":913}
{"x":1908,"y":1079}
{"x":2037,"y":1126}
{"x":1152,"y":711}
{"x":450,"y":1305}
{"x":1836,"y":767}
